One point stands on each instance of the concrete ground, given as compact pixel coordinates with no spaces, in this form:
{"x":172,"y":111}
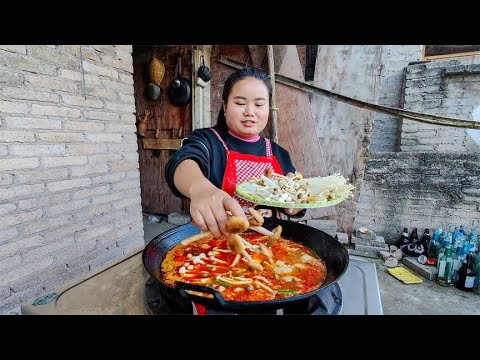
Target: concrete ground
{"x":425,"y":298}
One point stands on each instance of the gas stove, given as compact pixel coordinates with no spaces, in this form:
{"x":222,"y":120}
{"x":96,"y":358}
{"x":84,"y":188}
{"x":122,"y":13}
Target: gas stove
{"x":124,"y":287}
{"x":327,"y":301}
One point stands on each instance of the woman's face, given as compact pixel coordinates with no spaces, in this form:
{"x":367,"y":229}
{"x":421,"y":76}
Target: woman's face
{"x":247,"y":107}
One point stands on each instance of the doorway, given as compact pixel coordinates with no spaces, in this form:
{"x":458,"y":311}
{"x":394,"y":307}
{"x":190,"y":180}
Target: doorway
{"x":166,"y":124}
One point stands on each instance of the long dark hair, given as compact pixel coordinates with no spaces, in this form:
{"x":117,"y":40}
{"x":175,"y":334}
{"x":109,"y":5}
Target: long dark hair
{"x":240,"y":74}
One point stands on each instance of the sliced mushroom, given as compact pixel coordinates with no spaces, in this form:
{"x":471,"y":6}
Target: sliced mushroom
{"x":236,"y":224}
{"x":277,"y":232}
{"x":253,"y":222}
{"x":261,"y":230}
{"x":195,"y":237}
{"x":255,"y":265}
{"x":266,"y":251}
{"x":257,"y":217}
{"x":268,"y":172}
{"x":236,"y":244}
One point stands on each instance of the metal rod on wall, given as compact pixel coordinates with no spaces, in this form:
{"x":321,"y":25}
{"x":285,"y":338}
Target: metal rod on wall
{"x":273,"y":106}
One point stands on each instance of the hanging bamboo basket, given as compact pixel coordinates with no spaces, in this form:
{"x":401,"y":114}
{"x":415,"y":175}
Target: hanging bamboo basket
{"x":156,"y":70}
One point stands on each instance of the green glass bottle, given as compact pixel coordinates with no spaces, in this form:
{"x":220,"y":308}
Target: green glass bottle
{"x":444,"y":266}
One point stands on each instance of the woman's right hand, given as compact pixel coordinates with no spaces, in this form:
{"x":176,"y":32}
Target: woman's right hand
{"x":209,"y":206}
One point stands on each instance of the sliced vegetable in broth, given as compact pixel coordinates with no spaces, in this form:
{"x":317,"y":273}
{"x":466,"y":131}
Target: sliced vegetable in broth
{"x":294,"y":269}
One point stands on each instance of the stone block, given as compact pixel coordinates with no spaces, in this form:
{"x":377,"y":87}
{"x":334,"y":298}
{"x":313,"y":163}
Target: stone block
{"x":371,"y":248}
{"x":356,"y":240}
{"x":332,"y":233}
{"x":179,"y":219}
{"x":427,"y":271}
{"x":342,"y":238}
{"x":380,"y":239}
{"x":323,"y":224}
{"x":365,"y":253}
{"x":366,"y":236}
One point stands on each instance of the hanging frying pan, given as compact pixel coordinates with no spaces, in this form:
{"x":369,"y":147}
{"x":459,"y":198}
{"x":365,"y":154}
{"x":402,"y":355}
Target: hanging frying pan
{"x":180,"y":88}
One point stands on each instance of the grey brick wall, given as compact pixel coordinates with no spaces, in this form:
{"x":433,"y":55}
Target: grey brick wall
{"x":422,"y":190}
{"x":448,"y":87}
{"x":434,"y":180}
{"x":386,"y":129}
{"x":69,"y":178}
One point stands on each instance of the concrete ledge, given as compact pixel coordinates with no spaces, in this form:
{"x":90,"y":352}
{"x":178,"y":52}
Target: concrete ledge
{"x":364,"y":253}
{"x":179,"y":219}
{"x":323,"y":225}
{"x":371,"y":248}
{"x":427,"y":271}
{"x":342,"y":238}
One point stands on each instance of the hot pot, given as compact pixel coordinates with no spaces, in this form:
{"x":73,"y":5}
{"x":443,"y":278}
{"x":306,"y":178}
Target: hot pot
{"x":325,"y":246}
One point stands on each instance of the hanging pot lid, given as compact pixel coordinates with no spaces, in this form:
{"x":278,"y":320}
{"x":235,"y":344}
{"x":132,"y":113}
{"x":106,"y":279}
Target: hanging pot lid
{"x":180,"y":88}
{"x":153,"y":91}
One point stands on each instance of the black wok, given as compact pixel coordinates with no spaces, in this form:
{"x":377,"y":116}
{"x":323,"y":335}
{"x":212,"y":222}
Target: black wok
{"x":325,"y":246}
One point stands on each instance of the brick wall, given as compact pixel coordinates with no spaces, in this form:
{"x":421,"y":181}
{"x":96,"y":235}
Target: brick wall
{"x":69,"y":178}
{"x":444,"y":87}
{"x":435,"y":178}
{"x":385,"y":134}
{"x":422,"y":190}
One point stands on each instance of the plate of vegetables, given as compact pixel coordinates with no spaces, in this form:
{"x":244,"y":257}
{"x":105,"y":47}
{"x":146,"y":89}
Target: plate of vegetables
{"x":277,"y":190}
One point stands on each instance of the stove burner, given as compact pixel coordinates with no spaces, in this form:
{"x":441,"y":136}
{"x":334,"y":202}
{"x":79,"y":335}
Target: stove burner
{"x":327,"y":301}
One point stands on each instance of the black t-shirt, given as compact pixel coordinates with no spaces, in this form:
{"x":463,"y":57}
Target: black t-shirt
{"x":207,"y":151}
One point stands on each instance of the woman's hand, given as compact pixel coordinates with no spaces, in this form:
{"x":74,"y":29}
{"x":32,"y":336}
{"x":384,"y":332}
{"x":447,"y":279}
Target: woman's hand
{"x":208,"y":208}
{"x":208,"y":204}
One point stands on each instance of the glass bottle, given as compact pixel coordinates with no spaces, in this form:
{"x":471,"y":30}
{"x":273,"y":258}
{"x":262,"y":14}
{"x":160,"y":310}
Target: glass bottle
{"x":414,"y":237}
{"x":444,"y":265}
{"x":422,"y":246}
{"x":433,"y":246}
{"x":404,"y":238}
{"x":466,"y":275}
{"x":476,"y":267}
{"x":426,"y":238}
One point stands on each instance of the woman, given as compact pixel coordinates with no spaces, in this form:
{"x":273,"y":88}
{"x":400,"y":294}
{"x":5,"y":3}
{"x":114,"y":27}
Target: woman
{"x":212,"y":161}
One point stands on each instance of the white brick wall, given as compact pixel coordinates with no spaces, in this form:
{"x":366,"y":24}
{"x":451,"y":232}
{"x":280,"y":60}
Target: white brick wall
{"x":448,"y":87}
{"x":69,"y":179}
{"x":386,"y":129}
{"x":422,"y":190}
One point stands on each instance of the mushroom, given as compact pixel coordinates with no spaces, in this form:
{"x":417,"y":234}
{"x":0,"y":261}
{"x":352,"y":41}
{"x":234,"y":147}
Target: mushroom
{"x":277,"y":232}
{"x":236,"y":244}
{"x":256,"y":219}
{"x":236,"y":224}
{"x":272,"y":236}
{"x":195,"y":237}
{"x":266,"y":251}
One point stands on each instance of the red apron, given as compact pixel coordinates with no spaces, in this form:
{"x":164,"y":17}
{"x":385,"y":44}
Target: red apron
{"x":240,"y":168}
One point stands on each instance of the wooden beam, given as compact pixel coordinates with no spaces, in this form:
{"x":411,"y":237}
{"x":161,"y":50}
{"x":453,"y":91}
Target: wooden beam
{"x":273,"y":106}
{"x":162,"y":144}
{"x":411,"y":115}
